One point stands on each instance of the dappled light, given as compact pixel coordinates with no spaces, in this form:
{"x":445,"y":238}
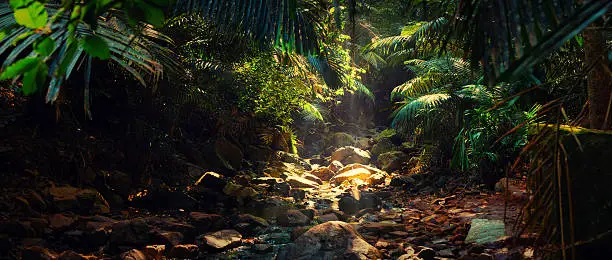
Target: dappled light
{"x":305,"y":129}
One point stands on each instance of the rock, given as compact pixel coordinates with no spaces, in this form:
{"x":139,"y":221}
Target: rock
{"x":262,"y":248}
{"x":292,"y":218}
{"x":282,"y":188}
{"x":330,"y":240}
{"x":81,"y":200}
{"x":71,"y":255}
{"x":170,"y":238}
{"x":483,"y":231}
{"x":228,"y":154}
{"x":427,"y":253}
{"x":350,"y":154}
{"x":240,"y":192}
{"x":16,"y":228}
{"x":220,"y":240}
{"x":38,"y":253}
{"x":298,"y":231}
{"x":391,"y":161}
{"x":211,"y":180}
{"x":348,"y":205}
{"x":279,"y":169}
{"x":249,"y":225}
{"x":154,"y":252}
{"x":36,"y":201}
{"x":335,"y":166}
{"x":377,"y":179}
{"x":361,"y":174}
{"x":310,"y":213}
{"x":445,"y":253}
{"x":60,"y":221}
{"x":189,"y":251}
{"x":363,"y":143}
{"x":381,"y":147}
{"x":313,"y":178}
{"x":133,"y":254}
{"x":407,"y":182}
{"x":340,"y":139}
{"x":299,"y":182}
{"x":369,"y":200}
{"x":328,"y":217}
{"x":324,"y":173}
{"x":206,"y":222}
{"x":339,"y":214}
{"x":135,"y":232}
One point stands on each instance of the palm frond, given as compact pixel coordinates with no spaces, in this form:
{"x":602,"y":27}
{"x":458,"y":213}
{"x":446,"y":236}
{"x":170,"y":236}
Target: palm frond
{"x":420,"y":85}
{"x":310,"y":112}
{"x":423,"y":37}
{"x":406,"y":114}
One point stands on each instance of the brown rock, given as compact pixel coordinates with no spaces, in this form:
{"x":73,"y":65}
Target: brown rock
{"x":299,"y":182}
{"x":350,"y":154}
{"x":171,"y":238}
{"x":222,"y":239}
{"x":328,"y":217}
{"x":324,"y":173}
{"x":335,"y":166}
{"x":184,"y":251}
{"x":154,"y":252}
{"x":312,"y":177}
{"x":292,"y":218}
{"x":60,"y":221}
{"x":71,"y":198}
{"x":133,"y":254}
{"x":37,"y":252}
{"x":206,"y":222}
{"x":333,"y":239}
{"x":71,"y":255}
{"x":358,"y":173}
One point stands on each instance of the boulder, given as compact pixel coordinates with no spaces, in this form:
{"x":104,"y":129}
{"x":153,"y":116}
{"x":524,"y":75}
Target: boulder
{"x":350,"y":154}
{"x":188,"y":251}
{"x":358,"y":173}
{"x":133,"y":254}
{"x":169,"y":238}
{"x":71,"y":255}
{"x":328,"y":217}
{"x":483,"y":231}
{"x":348,"y":205}
{"x":248,"y":225}
{"x":211,"y":180}
{"x":335,"y":166}
{"x":69,"y":198}
{"x":383,"y":146}
{"x":38,"y":253}
{"x":220,"y":240}
{"x":391,"y":161}
{"x":323,"y":173}
{"x":61,"y":221}
{"x":299,"y":182}
{"x":154,"y":252}
{"x":330,"y":240}
{"x":292,"y":218}
{"x":340,"y":139}
{"x":206,"y":222}
{"x":134,"y":232}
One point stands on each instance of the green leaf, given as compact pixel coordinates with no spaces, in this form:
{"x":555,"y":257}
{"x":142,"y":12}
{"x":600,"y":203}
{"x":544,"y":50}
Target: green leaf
{"x":19,"y":67}
{"x":2,"y":35}
{"x":16,"y":4}
{"x":33,"y":16}
{"x":35,"y":78}
{"x":45,"y":46}
{"x":96,"y":47}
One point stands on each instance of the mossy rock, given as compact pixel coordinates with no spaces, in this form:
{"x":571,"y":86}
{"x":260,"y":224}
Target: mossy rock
{"x":340,"y":139}
{"x":388,"y":133}
{"x":382,"y":146}
{"x":391,"y":161}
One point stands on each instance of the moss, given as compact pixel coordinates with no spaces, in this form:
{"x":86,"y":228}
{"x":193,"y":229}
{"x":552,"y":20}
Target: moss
{"x":385,"y":134}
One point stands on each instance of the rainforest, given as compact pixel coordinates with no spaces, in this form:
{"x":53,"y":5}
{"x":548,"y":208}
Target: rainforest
{"x":305,"y":129}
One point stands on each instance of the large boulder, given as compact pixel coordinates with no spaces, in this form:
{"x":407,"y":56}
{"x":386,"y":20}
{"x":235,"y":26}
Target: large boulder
{"x":381,"y":147}
{"x":354,"y":174}
{"x":211,"y":180}
{"x":330,"y":240}
{"x":324,"y":173}
{"x":340,"y":139}
{"x":135,"y":232}
{"x":299,"y":182}
{"x":391,"y":161}
{"x":350,"y":154}
{"x":359,"y":172}
{"x":69,"y":198}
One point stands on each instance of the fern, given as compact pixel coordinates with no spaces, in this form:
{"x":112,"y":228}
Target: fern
{"x":311,"y":112}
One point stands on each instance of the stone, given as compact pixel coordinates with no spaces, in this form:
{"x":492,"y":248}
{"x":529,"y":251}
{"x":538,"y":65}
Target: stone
{"x":404,"y":181}
{"x":358,"y":173}
{"x":340,"y":139}
{"x":335,"y":166}
{"x":230,"y":156}
{"x":310,"y":213}
{"x":483,"y":231}
{"x":382,"y":146}
{"x":204,"y":222}
{"x":348,"y":205}
{"x":211,"y":180}
{"x":154,"y":252}
{"x":333,"y":239}
{"x":135,"y":232}
{"x":377,"y":179}
{"x":323,"y":173}
{"x":299,"y":182}
{"x":133,"y":254}
{"x":328,"y":217}
{"x":249,"y":225}
{"x":38,"y":253}
{"x":71,"y":255}
{"x":188,"y":251}
{"x":426,"y":253}
{"x":262,"y":248}
{"x":350,"y":154}
{"x":222,"y":239}
{"x":313,"y":178}
{"x":339,"y":214}
{"x":363,"y":143}
{"x":170,"y":238}
{"x":369,"y":200}
{"x":391,"y":161}
{"x":81,"y":200}
{"x":292,"y":218}
{"x":60,"y":221}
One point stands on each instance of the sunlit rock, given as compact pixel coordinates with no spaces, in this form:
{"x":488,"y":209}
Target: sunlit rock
{"x":299,"y":182}
{"x":220,"y":240}
{"x":350,"y":154}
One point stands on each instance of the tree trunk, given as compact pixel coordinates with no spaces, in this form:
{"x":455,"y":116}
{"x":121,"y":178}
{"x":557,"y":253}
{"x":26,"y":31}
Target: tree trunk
{"x":599,"y":79}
